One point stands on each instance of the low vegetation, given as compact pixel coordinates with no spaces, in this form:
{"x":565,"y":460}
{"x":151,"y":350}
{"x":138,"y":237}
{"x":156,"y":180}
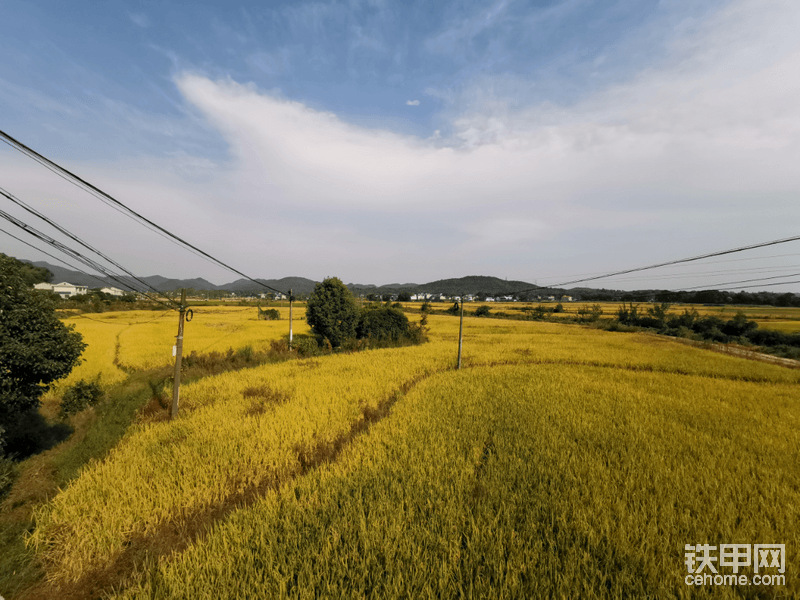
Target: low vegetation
{"x":689,"y":324}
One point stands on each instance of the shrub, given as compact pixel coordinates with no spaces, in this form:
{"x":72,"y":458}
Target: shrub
{"x":306,"y":346}
{"x":245,"y":353}
{"x":539,"y":312}
{"x":79,"y":397}
{"x":686,"y":319}
{"x":270,"y":314}
{"x":739,"y":325}
{"x":384,"y":323}
{"x":482,"y":311}
{"x":589,"y":314}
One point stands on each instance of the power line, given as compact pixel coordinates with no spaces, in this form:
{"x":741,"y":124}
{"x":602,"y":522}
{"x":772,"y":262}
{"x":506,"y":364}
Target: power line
{"x":89,"y":187}
{"x":74,"y":237}
{"x":714,"y":262}
{"x":671,"y":262}
{"x":695,"y":275}
{"x":746,"y":281}
{"x":744,"y":287}
{"x":73,"y":253}
{"x":63,"y":262}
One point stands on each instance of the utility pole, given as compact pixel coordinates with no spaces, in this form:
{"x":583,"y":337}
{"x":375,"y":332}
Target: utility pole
{"x":290,"y":319}
{"x":176,"y":385}
{"x":460,"y":331}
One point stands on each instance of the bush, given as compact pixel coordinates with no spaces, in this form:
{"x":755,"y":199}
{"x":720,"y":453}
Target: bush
{"x":270,"y":314}
{"x":306,"y":346}
{"x":539,"y":312}
{"x":482,"y":311}
{"x":245,"y":353}
{"x":79,"y":397}
{"x":588,"y":314}
{"x":739,"y":325}
{"x":453,"y":310}
{"x":384,"y":323}
{"x":426,"y":307}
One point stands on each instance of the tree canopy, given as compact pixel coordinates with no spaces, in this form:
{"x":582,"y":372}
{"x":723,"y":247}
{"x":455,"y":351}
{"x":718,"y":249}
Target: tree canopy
{"x":30,"y":274}
{"x":332,"y":311}
{"x":36,"y":348}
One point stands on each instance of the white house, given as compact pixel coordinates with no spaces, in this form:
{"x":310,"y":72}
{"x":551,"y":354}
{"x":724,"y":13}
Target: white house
{"x":63,"y":289}
{"x":112,"y":291}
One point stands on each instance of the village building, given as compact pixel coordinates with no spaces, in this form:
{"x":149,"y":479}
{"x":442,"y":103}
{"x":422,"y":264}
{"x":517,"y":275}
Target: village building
{"x":112,"y":291}
{"x":63,"y":289}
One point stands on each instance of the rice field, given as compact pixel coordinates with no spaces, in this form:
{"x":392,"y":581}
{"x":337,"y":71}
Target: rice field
{"x":561,"y":461}
{"x":139,"y":340}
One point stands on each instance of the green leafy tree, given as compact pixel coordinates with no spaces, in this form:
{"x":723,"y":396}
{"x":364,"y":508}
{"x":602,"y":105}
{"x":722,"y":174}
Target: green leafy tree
{"x":332,"y":311}
{"x":29,"y":273}
{"x":36,"y":348}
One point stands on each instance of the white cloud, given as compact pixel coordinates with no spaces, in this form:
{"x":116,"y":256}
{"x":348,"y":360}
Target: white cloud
{"x":412,"y":102}
{"x":700,"y":149}
{"x":712,"y":129}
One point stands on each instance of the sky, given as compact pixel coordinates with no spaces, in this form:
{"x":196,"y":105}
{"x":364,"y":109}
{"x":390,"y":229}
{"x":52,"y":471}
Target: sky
{"x":393,"y":142}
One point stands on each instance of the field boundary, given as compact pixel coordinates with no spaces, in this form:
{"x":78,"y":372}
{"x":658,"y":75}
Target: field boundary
{"x":739,"y":351}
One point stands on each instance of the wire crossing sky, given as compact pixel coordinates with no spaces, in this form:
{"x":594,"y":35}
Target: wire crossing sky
{"x":396,"y":142}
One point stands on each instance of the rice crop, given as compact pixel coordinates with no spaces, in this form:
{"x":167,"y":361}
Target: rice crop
{"x":561,"y":460}
{"x":519,"y":481}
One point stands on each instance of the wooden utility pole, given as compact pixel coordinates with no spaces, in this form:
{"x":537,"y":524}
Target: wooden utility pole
{"x":460,"y":332}
{"x":176,"y":385}
{"x":290,"y":319}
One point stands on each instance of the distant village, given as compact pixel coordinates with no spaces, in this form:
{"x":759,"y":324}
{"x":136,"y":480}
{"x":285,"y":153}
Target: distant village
{"x":68,"y":290}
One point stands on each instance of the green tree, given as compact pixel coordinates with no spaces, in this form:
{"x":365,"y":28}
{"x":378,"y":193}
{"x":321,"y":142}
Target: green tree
{"x":30,"y":274}
{"x":332,"y":312}
{"x":36,"y":348}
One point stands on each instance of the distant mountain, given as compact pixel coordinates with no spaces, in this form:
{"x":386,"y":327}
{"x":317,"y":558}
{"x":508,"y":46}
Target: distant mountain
{"x":162,"y":284}
{"x":474,"y":284}
{"x":298,"y":285}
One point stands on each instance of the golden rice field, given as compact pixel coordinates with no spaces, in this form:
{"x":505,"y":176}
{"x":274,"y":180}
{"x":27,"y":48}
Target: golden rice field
{"x":561,"y":461}
{"x":144,"y":339}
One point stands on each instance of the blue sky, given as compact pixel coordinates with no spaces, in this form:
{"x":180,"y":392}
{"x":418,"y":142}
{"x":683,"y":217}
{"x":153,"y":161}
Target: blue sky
{"x":384,"y":142}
